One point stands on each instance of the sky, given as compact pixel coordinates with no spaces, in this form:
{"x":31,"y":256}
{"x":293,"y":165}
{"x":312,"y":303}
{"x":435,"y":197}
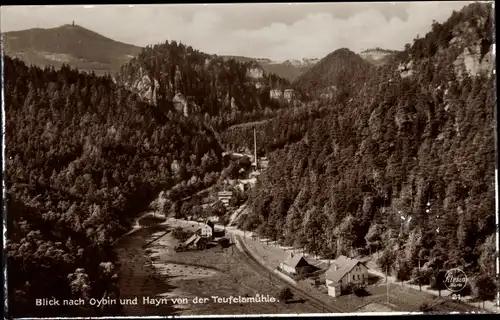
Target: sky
{"x":277,"y":31}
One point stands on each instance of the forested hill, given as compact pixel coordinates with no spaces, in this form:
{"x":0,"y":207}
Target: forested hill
{"x":332,"y":73}
{"x":416,"y":140}
{"x":222,"y":89}
{"x":68,"y":44}
{"x":83,"y":158}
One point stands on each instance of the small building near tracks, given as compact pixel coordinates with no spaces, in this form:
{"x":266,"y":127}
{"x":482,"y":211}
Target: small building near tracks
{"x":295,"y":264}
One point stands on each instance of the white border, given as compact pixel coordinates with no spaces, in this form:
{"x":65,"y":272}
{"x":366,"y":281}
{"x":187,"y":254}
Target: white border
{"x":4,"y":233}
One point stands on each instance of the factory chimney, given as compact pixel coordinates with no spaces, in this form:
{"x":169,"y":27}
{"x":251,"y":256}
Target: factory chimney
{"x":255,"y":148}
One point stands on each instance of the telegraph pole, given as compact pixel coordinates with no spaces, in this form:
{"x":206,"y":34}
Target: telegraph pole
{"x":387,"y":283}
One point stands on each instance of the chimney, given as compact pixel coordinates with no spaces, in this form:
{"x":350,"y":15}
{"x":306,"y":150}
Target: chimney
{"x":255,"y":147}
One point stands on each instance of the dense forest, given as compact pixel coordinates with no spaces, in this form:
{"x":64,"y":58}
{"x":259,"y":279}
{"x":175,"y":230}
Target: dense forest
{"x":83,"y":158}
{"x":222,"y":91}
{"x":286,"y":126}
{"x":417,"y":145}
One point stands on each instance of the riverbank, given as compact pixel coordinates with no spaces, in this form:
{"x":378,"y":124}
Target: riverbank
{"x":154,"y":269}
{"x":138,"y":277}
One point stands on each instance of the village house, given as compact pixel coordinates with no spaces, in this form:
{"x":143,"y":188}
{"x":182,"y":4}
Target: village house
{"x":295,"y":265}
{"x":289,"y":94}
{"x":344,"y":271}
{"x":238,"y":184}
{"x":195,"y":241}
{"x":224,"y":197}
{"x":207,"y":230}
{"x":276,"y":94}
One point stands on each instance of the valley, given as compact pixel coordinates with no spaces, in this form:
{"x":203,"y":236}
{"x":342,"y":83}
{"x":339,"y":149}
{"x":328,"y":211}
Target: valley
{"x":357,"y":182}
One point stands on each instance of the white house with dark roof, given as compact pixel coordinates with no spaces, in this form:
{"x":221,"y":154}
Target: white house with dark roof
{"x":294,"y":264}
{"x":343,"y":271}
{"x":206,"y":230}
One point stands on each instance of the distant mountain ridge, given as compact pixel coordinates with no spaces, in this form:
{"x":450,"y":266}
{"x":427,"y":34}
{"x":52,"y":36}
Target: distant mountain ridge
{"x":377,"y":56}
{"x":69,"y":44}
{"x":289,"y":69}
{"x":88,"y":50}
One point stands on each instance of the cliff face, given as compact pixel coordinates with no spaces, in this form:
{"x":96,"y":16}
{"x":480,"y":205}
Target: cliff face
{"x":144,"y":85}
{"x":472,"y":61}
{"x":476,"y":51}
{"x":465,"y":44}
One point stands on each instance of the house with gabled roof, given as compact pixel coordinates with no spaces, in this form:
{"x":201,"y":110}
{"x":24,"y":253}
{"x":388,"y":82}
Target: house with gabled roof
{"x":344,"y":271}
{"x":195,"y":241}
{"x":295,"y":264}
{"x":206,"y":230}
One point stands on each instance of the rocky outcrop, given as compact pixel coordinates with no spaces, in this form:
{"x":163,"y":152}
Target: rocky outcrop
{"x":144,"y":86}
{"x":476,"y":53}
{"x":406,"y":69}
{"x":181,"y":104}
{"x":234,"y":106}
{"x":473,"y":62}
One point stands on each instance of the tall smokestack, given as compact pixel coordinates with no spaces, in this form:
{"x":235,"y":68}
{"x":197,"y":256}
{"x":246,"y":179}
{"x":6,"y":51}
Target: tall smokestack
{"x":255,"y":146}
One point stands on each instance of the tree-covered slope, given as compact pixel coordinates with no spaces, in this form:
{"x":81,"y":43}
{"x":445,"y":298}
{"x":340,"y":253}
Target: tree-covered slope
{"x":331,"y":74}
{"x":219,"y":89}
{"x":83,"y":158}
{"x":415,"y":139}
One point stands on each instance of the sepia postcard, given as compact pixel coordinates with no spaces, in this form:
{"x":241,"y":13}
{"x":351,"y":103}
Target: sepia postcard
{"x":249,"y":159}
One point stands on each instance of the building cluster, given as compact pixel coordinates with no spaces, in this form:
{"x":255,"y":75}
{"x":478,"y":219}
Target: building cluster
{"x":342,"y":273}
{"x":225,"y":197}
{"x":287,"y":94}
{"x":201,"y":237}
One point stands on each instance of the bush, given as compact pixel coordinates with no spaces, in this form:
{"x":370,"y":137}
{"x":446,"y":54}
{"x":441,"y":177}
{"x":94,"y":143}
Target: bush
{"x":179,"y":248}
{"x":360,"y":291}
{"x":485,"y":287}
{"x":285,"y":294}
{"x":224,"y":242}
{"x":348,"y":289}
{"x":224,"y":220}
{"x":424,"y":307}
{"x":180,"y":234}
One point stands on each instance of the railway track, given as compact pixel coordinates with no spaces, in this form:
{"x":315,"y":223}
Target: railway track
{"x":248,"y":258}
